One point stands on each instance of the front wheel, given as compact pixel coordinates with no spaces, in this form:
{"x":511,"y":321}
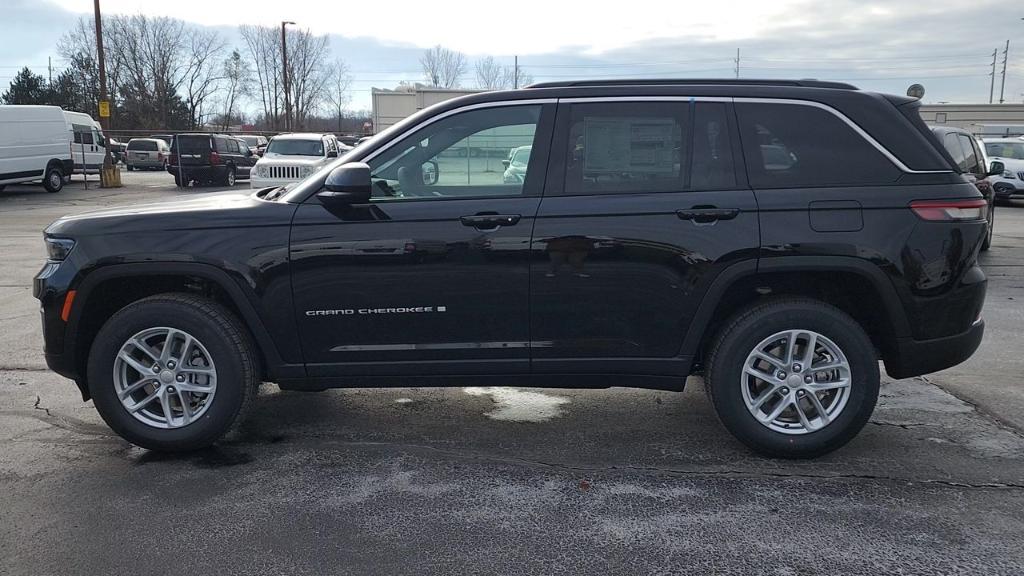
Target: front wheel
{"x":172,"y":372}
{"x":793,"y":377}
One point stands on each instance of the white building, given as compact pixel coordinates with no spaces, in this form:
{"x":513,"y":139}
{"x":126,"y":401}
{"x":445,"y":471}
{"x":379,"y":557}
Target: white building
{"x":392,"y":106}
{"x":980,"y":119}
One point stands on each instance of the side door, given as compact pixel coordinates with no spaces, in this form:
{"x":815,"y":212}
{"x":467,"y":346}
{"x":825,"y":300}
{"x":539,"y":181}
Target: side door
{"x":644,"y":207}
{"x":432,"y":276}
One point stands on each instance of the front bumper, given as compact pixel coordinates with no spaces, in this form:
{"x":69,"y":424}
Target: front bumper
{"x":256,"y":182}
{"x":1006,"y":188}
{"x":917,"y":357}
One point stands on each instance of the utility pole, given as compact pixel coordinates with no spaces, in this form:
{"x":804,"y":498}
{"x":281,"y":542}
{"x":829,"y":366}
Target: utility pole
{"x":104,"y":104}
{"x":284,"y":76}
{"x":1002,"y":85}
{"x":515,"y":74}
{"x":992,"y":86}
{"x":737,"y":61}
{"x":49,"y":67}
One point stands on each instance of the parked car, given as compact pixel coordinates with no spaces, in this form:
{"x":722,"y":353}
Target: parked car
{"x":117,"y":149}
{"x":209,"y":159}
{"x":651,"y":238}
{"x":969,"y":157}
{"x":515,"y":164}
{"x":292,"y":157}
{"x":35,"y":145}
{"x":1009,"y":151}
{"x":88,"y":151}
{"x":150,"y":153}
{"x":167,"y":138}
{"x":257,"y":143}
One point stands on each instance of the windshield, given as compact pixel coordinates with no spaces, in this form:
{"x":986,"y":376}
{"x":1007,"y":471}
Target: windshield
{"x":142,"y":145}
{"x":296,"y":147}
{"x":1013,"y":150}
{"x":251,"y":140}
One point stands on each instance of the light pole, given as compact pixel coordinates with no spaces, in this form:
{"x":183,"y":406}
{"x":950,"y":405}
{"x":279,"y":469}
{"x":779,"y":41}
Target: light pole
{"x":284,"y":76}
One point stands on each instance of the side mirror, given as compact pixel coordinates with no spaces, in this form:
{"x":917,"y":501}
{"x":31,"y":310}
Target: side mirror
{"x":346,"y":185}
{"x":332,"y":153}
{"x":431,"y":173}
{"x":248,"y":151}
{"x":505,"y":163}
{"x":997,"y":168}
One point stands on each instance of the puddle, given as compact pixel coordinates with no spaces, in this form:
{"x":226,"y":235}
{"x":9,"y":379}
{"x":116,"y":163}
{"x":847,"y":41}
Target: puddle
{"x":515,"y":405}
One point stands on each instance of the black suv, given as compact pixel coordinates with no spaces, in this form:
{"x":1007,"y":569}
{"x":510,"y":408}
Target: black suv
{"x":209,"y":159}
{"x":779,"y":238}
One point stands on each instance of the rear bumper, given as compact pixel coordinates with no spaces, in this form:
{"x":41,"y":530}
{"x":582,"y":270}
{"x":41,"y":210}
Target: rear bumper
{"x":199,"y":172}
{"x":917,"y":357}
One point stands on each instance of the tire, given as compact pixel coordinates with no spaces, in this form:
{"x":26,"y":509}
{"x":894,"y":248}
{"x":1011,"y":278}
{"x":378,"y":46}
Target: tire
{"x":229,"y":177}
{"x":728,"y":384}
{"x":216,"y":332}
{"x":53,"y":180}
{"x":130,"y":167}
{"x":987,"y":242}
{"x":179,"y":182}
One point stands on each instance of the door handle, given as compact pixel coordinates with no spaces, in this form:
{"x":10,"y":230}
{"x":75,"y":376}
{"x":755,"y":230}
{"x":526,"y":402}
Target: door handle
{"x":707,"y":214}
{"x":490,"y":221}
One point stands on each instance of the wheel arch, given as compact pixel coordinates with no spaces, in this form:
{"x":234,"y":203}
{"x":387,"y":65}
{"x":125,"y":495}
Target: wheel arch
{"x":878,"y":308}
{"x":131,"y":282}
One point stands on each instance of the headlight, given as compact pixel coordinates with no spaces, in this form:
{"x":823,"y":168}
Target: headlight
{"x":306,"y":171}
{"x":1009,"y":175}
{"x":58,"y":248}
{"x":261,"y":171}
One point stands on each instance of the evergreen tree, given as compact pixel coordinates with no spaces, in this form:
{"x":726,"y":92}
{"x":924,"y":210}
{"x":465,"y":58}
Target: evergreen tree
{"x":27,"y":88}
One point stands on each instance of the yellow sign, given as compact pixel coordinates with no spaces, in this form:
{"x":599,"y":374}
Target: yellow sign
{"x":104,"y":109}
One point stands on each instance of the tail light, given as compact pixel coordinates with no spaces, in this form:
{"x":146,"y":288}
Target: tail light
{"x":160,"y":156}
{"x":172,"y":159}
{"x":410,"y":247}
{"x":950,"y":210}
{"x":214,"y":157}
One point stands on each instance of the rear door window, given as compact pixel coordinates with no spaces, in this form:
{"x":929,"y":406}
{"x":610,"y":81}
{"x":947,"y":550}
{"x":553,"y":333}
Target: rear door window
{"x":626,"y":147}
{"x":973,"y":162}
{"x":797,"y":146}
{"x":712,"y":166}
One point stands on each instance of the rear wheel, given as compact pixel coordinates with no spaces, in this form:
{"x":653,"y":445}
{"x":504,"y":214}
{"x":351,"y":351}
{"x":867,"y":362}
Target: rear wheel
{"x":179,"y":182}
{"x":172,"y":372}
{"x":53,"y":180}
{"x":793,"y":378}
{"x":987,"y":242}
{"x":229,"y":178}
{"x":130,"y":167}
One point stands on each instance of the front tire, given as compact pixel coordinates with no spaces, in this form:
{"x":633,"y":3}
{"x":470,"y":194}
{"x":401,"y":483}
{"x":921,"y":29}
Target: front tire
{"x":172,"y":372}
{"x":793,"y":377}
{"x":53,"y":180}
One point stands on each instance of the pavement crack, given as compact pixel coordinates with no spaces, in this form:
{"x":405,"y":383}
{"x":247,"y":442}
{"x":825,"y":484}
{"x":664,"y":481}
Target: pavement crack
{"x":897,"y":425}
{"x":43,"y":408}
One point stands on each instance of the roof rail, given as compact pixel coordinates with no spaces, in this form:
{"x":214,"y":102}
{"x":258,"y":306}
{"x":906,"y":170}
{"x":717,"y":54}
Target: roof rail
{"x":808,"y":83}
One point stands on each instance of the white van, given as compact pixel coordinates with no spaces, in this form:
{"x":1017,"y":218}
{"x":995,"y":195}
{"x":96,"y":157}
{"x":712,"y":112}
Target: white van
{"x":87,"y":151}
{"x":35,"y":144}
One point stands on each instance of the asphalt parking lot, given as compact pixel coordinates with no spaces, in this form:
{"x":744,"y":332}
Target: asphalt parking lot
{"x":504,"y":480}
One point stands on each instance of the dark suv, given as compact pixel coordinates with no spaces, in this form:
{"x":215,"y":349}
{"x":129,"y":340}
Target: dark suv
{"x":777,"y":237}
{"x":209,"y":159}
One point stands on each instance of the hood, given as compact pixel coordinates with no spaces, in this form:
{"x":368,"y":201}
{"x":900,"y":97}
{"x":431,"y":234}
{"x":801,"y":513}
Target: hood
{"x":1012,"y":164}
{"x":229,"y":210}
{"x":282,"y":160}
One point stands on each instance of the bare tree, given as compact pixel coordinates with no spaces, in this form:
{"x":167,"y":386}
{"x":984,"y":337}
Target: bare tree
{"x":490,"y":75}
{"x":203,"y":73}
{"x":493,"y":76}
{"x":338,"y":89}
{"x":308,"y":74}
{"x":443,"y":67}
{"x":264,"y":45}
{"x":237,"y":85}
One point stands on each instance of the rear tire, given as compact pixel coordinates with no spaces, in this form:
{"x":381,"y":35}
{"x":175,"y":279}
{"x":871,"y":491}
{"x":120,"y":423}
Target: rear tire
{"x":229,"y":178}
{"x":838,"y":338}
{"x":219,"y":345}
{"x":179,"y":182}
{"x":130,"y":167}
{"x":53,"y":180}
{"x":987,"y":242}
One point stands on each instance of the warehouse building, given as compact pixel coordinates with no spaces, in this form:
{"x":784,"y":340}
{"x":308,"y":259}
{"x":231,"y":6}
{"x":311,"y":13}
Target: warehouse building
{"x":392,"y":106}
{"x":980,"y":119}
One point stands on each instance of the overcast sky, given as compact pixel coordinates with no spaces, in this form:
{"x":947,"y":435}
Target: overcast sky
{"x":945,"y":45}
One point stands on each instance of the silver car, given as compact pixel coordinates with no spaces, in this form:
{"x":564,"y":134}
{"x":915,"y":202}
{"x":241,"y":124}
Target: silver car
{"x":149,"y":153}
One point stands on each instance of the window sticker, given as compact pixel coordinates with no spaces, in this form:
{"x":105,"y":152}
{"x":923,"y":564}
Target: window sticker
{"x":638,"y":145}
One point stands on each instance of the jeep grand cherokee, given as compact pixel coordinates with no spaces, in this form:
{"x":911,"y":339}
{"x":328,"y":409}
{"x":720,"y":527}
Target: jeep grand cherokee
{"x":777,"y":237}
